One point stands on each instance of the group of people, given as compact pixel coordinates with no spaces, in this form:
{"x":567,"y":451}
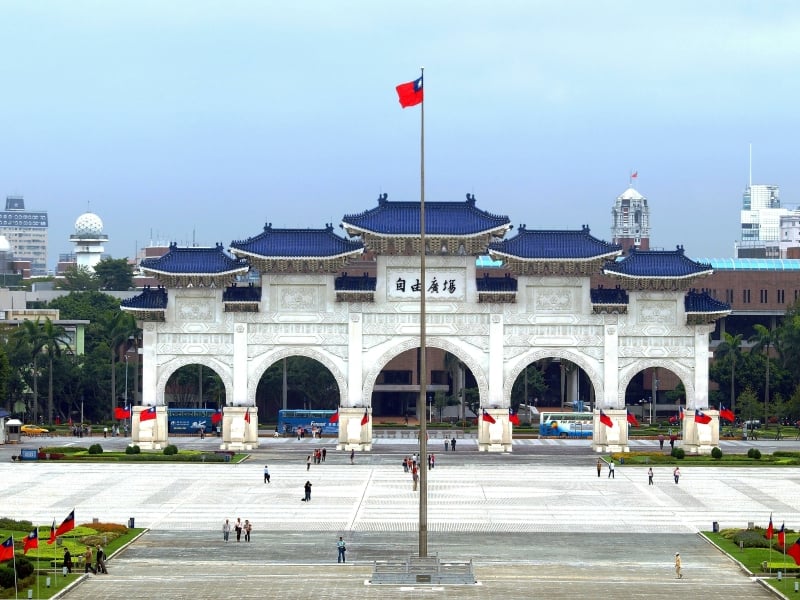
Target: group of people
{"x":238,"y":528}
{"x":450,"y":444}
{"x":99,"y":560}
{"x":676,"y":473}
{"x":318,"y":457}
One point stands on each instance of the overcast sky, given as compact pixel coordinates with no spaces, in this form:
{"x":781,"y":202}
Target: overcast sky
{"x":199,"y":121}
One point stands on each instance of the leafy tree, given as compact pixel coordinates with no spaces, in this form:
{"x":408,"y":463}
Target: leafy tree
{"x":529,"y":384}
{"x":749,"y":406}
{"x":54,"y":339}
{"x":79,"y":278}
{"x":309,"y":384}
{"x":88,"y":306}
{"x":114,"y":274}
{"x":5,"y":378}
{"x":730,"y":351}
{"x":29,"y":340}
{"x":118,"y":327}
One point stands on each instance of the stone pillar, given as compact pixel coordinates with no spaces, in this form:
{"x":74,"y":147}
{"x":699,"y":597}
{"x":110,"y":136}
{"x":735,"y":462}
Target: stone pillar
{"x":614,"y":438}
{"x":354,"y":434}
{"x":355,"y":349}
{"x":610,"y":397}
{"x":700,"y":438}
{"x":239,"y":428}
{"x":150,"y":434}
{"x":240,"y":364}
{"x":497,"y":436}
{"x":149,"y":357}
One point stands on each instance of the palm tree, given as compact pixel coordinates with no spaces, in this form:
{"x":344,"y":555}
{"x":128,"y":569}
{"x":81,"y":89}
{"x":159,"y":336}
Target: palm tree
{"x":29,"y":335}
{"x":119,"y":328}
{"x":731,"y":347}
{"x":763,"y":339}
{"x":54,"y":338}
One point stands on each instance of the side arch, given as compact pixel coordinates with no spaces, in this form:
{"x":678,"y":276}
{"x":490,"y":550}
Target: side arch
{"x":167,"y":369}
{"x":469,"y":361}
{"x":685,"y":374}
{"x":265,"y":361}
{"x":588,"y":365}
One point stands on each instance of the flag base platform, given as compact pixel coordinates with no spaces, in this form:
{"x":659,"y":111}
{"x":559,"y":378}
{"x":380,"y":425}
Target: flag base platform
{"x":423,"y":570}
{"x":239,"y":428}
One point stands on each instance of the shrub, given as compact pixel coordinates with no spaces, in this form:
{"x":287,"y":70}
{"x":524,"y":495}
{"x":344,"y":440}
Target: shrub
{"x":171,"y":450}
{"x":24,"y":567}
{"x":678,"y":453}
{"x":716,"y":453}
{"x":751,"y":538}
{"x":7,"y":579}
{"x":6,"y":523}
{"x":754,"y":453}
{"x":95,"y":449}
{"x":132,"y":449}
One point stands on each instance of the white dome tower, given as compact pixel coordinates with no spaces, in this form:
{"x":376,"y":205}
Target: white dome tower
{"x":88,"y":239}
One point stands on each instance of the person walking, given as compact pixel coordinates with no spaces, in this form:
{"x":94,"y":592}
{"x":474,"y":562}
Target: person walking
{"x":650,"y":476}
{"x":453,"y":444}
{"x":342,"y":548}
{"x":676,"y":474}
{"x":238,"y":529}
{"x":599,"y":466}
{"x":308,"y":462}
{"x":324,"y":452}
{"x":678,"y":565}
{"x":611,"y":469}
{"x":248,"y":527}
{"x":226,"y":530}
{"x":87,"y":561}
{"x":414,"y":477}
{"x":307,"y":489}
{"x":67,"y":560}
{"x":266,"y":474}
{"x":661,"y":441}
{"x":352,"y":456}
{"x":100,"y":561}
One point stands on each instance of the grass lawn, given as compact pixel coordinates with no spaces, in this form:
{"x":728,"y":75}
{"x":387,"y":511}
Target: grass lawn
{"x":777,"y":459}
{"x":80,"y":454}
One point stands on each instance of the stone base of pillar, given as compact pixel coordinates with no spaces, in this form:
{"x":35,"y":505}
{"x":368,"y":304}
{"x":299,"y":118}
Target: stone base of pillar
{"x":239,"y":428}
{"x":497,"y":436}
{"x":700,"y":438}
{"x":354,"y":434}
{"x":150,"y":434}
{"x":614,"y":438}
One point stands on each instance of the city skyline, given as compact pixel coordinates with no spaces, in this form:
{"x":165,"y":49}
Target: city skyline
{"x":200,"y":122}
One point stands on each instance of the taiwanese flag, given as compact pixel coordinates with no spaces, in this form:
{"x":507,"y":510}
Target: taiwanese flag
{"x":768,"y":535}
{"x":31,"y":541}
{"x":410,"y":94}
{"x":727,"y":414}
{"x":7,"y":549}
{"x":334,"y":417}
{"x":148,"y":414}
{"x":673,"y":419}
{"x":681,"y":413}
{"x":781,"y":535}
{"x":365,"y":418}
{"x":216,"y":417}
{"x":701,"y":417}
{"x":794,"y":551}
{"x":632,"y":419}
{"x":52,"y":533}
{"x":606,"y":420}
{"x":635,"y":174}
{"x":122,"y":413}
{"x":247,"y":416}
{"x":513,"y":417}
{"x":67,"y":524}
{"x":487,"y":417}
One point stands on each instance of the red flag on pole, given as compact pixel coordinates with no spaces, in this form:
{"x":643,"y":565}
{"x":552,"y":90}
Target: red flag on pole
{"x":794,"y":551}
{"x":68,"y":524}
{"x":513,"y":418}
{"x":31,"y":541}
{"x":7,"y":549}
{"x":216,"y":417}
{"x":147,"y":415}
{"x":605,"y":419}
{"x":247,"y":416}
{"x":410,"y":94}
{"x":365,"y":418}
{"x":782,"y":535}
{"x":726,"y":414}
{"x":701,"y":417}
{"x":334,"y":417}
{"x":487,"y":417}
{"x":52,"y":533}
{"x":768,"y":534}
{"x":632,"y":419}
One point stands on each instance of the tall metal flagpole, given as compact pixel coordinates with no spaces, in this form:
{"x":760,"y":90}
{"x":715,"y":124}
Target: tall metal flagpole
{"x":423,"y":369}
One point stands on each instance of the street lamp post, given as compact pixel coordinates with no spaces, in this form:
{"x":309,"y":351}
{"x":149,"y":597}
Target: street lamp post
{"x":126,"y":379}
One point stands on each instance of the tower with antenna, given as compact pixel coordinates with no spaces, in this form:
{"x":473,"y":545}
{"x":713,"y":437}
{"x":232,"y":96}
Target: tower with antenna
{"x":760,"y":218}
{"x":630,"y":219}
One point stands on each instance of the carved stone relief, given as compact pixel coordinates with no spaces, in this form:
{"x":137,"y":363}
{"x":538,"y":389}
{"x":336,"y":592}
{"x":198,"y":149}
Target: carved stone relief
{"x":194,"y":309}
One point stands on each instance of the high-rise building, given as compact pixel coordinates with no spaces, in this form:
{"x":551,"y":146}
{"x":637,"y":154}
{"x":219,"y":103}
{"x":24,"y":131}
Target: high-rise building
{"x":760,"y":222}
{"x":26,"y":232}
{"x":631,"y":221}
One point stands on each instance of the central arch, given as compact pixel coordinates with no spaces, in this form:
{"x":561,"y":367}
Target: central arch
{"x":684,"y":374}
{"x":470,"y":361}
{"x":171,"y":366}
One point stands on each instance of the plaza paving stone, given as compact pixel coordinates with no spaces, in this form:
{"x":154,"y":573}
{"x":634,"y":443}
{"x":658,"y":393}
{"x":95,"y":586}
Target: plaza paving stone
{"x":535,"y":522}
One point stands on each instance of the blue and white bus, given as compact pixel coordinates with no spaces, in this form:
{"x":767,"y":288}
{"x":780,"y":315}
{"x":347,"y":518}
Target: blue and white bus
{"x":290,"y":419}
{"x":566,"y":424}
{"x":189,"y":420}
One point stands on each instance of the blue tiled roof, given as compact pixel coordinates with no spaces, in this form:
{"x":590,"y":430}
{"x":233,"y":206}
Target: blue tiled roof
{"x":603,"y":295}
{"x":441,"y":218}
{"x":195,"y":261}
{"x":664,"y":264}
{"x":149,"y":299}
{"x":546,"y":244}
{"x":496,"y":284}
{"x":249,"y":293}
{"x":701,"y":302}
{"x":297,"y":243}
{"x":350,"y":283}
